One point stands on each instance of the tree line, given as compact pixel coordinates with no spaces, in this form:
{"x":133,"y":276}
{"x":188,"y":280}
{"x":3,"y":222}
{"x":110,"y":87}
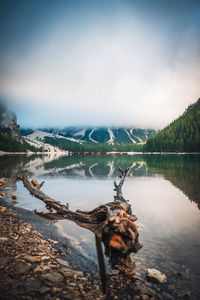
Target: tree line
{"x":182,"y":135}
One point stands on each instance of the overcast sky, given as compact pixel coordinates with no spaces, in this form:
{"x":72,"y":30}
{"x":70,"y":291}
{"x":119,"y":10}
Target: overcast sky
{"x":99,"y":63}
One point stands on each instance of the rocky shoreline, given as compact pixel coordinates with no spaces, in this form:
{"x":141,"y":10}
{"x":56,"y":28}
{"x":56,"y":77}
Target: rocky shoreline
{"x":32,"y":268}
{"x":37,"y":263}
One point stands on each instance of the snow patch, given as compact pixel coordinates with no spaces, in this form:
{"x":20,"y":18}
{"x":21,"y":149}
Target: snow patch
{"x":36,"y":139}
{"x":112,"y":168}
{"x":90,"y":138}
{"x":80,"y":133}
{"x":90,"y":169}
{"x":133,"y":141}
{"x":112,"y":137}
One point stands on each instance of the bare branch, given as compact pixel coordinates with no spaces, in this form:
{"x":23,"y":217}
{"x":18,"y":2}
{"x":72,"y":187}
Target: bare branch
{"x":62,"y":211}
{"x":113,"y":223}
{"x":118,"y":187}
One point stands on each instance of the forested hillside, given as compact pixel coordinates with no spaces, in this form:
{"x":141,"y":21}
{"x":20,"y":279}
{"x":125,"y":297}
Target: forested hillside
{"x":182,"y":135}
{"x":10,"y":136}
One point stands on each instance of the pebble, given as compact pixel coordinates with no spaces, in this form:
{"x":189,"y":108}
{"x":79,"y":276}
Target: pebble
{"x":2,"y":209}
{"x":63,"y":262}
{"x":14,"y":196}
{"x":53,"y":277}
{"x":167,"y":296}
{"x":31,"y":259}
{"x":3,"y":239}
{"x":3,"y":261}
{"x":45,"y":258}
{"x":44,"y":289}
{"x":144,"y":297}
{"x":22,"y":267}
{"x":32,"y":284}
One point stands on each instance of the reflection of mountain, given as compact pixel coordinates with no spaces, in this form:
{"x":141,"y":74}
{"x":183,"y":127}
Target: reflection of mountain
{"x":96,"y":166}
{"x":181,"y":170}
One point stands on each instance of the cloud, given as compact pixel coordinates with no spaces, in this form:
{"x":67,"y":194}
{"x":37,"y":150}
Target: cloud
{"x":121,"y":75}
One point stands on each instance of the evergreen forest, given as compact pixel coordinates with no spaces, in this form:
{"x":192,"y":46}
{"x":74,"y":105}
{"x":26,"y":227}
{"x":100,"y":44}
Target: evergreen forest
{"x":182,"y":135}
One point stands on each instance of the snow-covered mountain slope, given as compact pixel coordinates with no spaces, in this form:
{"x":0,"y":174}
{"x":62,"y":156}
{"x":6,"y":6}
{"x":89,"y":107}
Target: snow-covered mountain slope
{"x":37,"y":139}
{"x":105,"y":135}
{"x":72,"y":138}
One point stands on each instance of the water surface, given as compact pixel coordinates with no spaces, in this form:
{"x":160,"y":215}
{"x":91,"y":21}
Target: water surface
{"x":164,"y":191}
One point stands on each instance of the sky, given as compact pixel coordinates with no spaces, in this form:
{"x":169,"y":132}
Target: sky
{"x":99,"y":62}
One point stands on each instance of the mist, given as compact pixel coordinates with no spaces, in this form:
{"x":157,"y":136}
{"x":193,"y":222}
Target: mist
{"x":121,"y":68}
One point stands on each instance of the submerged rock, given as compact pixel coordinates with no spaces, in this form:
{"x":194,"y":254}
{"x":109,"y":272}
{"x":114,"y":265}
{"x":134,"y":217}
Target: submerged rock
{"x":156,"y":276}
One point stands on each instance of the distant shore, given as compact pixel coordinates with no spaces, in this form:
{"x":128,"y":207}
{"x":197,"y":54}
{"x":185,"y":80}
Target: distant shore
{"x":96,"y":153}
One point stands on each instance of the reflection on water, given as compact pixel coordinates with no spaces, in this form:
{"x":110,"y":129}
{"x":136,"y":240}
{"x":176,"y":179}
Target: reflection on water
{"x":159,"y":189}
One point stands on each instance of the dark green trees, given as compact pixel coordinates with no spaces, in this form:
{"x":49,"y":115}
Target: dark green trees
{"x":182,"y":135}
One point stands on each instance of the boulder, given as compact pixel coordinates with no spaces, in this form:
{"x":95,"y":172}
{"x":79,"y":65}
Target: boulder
{"x":156,"y":276}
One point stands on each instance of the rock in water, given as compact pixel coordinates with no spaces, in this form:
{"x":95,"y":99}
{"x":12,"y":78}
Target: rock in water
{"x":156,"y":276}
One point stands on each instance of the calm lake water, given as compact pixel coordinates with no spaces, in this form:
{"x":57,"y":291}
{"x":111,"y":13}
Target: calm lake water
{"x":164,"y":191}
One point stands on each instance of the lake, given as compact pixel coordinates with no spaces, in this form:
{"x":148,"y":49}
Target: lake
{"x":164,"y":191}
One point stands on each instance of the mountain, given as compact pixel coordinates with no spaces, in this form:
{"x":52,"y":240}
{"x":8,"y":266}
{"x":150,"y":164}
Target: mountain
{"x":8,"y":123}
{"x":78,"y":139}
{"x":10,"y":136}
{"x":182,"y":135}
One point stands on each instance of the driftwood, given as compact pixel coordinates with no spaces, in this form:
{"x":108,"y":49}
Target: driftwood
{"x":112,"y":223}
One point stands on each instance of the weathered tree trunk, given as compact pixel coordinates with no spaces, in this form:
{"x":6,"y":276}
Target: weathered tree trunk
{"x":112,"y":223}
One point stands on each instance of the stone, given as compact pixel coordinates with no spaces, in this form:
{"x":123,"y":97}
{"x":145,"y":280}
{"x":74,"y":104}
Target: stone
{"x":115,"y":271}
{"x":22,"y":267}
{"x":167,"y":296}
{"x":31,"y":240}
{"x":67,"y":271}
{"x":32,"y":284}
{"x":63,"y":262}
{"x":2,"y":181}
{"x":31,"y":259}
{"x":171,"y":287}
{"x":3,"y":261}
{"x":156,"y":276}
{"x":3,"y":239}
{"x":179,"y":273}
{"x":14,"y":196}
{"x":14,"y":202}
{"x":56,"y":290}
{"x":72,"y":284}
{"x":144,"y":297}
{"x":185,"y":295}
{"x":45,"y":268}
{"x":53,"y":277}
{"x":37,"y":269}
{"x":2,"y":209}
{"x":44,"y":289}
{"x":45,"y":258}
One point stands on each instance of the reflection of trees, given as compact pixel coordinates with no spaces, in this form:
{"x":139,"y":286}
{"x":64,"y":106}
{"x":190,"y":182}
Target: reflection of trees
{"x":11,"y":165}
{"x":181,"y":170}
